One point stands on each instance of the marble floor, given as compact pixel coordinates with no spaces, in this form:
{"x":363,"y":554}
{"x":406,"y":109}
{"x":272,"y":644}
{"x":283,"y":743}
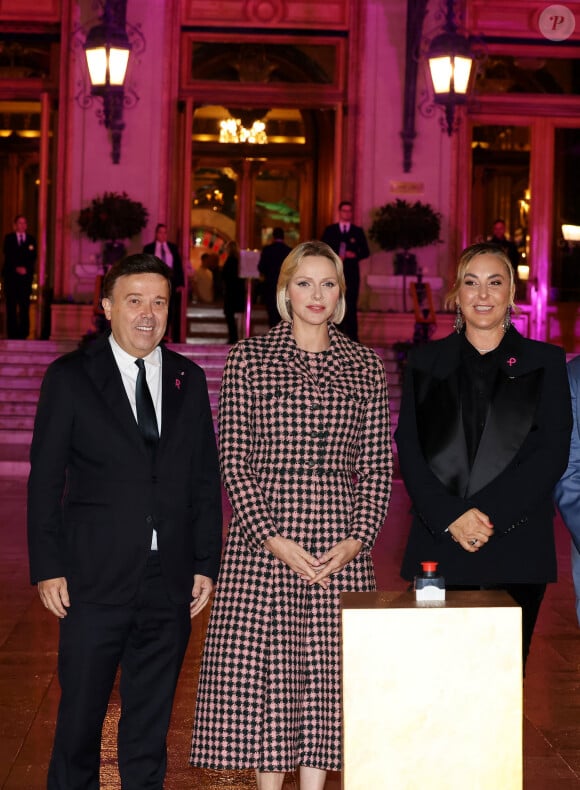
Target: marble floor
{"x":29,"y":688}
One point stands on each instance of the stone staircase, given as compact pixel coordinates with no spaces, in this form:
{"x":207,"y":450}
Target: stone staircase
{"x":206,"y":323}
{"x":23,"y":363}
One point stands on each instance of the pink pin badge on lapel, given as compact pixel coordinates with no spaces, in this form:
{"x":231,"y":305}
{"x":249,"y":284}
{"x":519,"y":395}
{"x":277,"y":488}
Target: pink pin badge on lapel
{"x":178,"y":383}
{"x":511,"y":361}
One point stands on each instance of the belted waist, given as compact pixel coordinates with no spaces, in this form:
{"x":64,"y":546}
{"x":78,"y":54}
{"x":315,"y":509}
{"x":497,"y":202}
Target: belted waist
{"x":313,"y":468}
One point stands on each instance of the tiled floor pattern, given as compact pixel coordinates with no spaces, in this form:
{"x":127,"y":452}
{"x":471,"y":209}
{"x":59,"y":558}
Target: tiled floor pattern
{"x":29,"y":689}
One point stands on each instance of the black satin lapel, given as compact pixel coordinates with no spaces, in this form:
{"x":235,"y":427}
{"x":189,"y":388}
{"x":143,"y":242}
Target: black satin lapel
{"x":509,"y":420}
{"x":440,"y":429}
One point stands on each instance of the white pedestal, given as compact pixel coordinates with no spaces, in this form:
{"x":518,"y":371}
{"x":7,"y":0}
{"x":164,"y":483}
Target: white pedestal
{"x":432,"y":695}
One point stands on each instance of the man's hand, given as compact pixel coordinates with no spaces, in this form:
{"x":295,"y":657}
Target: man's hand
{"x":54,"y":595}
{"x":202,"y":587}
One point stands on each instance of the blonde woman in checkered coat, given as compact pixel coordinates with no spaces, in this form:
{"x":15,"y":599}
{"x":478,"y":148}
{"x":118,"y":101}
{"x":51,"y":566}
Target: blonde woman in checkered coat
{"x":306,"y":460}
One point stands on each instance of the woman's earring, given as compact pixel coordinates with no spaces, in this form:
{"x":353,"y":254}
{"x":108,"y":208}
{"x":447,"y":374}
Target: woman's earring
{"x":459,"y":322}
{"x":507,"y":321}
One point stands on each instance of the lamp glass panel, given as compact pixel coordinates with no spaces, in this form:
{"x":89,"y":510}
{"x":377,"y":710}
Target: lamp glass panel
{"x":118,"y":60}
{"x":441,"y":71}
{"x":461,"y":72}
{"x":571,"y":232}
{"x":97,"y":63}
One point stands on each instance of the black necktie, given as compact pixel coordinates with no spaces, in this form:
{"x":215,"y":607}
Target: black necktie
{"x":163,"y":256}
{"x":145,"y":409}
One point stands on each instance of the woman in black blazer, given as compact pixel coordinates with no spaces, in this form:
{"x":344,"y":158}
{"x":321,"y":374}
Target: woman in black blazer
{"x":483,"y":437}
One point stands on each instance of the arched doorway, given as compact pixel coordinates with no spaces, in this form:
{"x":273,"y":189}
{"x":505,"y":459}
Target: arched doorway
{"x":263,"y":120}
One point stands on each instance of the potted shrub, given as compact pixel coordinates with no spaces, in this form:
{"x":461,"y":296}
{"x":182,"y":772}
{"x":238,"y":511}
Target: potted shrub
{"x":112,"y":218}
{"x":402,"y":226}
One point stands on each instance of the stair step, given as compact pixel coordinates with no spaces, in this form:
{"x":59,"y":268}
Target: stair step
{"x":20,"y":390}
{"x":16,"y":422}
{"x":23,"y":370}
{"x":12,"y":408}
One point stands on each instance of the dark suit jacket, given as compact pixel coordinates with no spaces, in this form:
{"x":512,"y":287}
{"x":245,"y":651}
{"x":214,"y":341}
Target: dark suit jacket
{"x":521,"y":455}
{"x":355,"y":241}
{"x":271,"y":259}
{"x":178,"y":274}
{"x":16,"y":255}
{"x":96,"y":493}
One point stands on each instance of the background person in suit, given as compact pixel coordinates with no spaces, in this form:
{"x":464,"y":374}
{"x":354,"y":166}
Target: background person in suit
{"x":271,"y":259}
{"x":124,"y":526}
{"x":483,"y":438}
{"x":169,"y":254}
{"x":234,"y":293}
{"x":20,"y":253}
{"x":350,"y":244}
{"x":568,"y":489}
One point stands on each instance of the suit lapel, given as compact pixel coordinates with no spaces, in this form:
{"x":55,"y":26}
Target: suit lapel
{"x":174,"y":381}
{"x":103,"y":371}
{"x":440,"y":428}
{"x":509,"y":420}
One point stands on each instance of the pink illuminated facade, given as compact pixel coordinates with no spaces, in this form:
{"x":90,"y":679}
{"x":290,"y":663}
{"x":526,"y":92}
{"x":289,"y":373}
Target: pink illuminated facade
{"x":327,"y":80}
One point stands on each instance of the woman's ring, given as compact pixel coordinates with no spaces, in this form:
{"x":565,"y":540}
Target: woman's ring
{"x":473,"y":542}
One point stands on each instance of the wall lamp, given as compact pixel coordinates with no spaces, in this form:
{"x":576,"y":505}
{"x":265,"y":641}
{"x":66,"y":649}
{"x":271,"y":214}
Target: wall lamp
{"x":107,"y":48}
{"x":450,"y":66}
{"x":451,"y":60}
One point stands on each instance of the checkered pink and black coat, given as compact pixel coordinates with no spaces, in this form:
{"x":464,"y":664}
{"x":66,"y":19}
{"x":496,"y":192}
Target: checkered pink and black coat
{"x":305,"y":452}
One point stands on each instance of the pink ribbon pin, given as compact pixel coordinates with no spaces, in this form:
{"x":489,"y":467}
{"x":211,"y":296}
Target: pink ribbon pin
{"x":511,"y":361}
{"x":178,"y":383}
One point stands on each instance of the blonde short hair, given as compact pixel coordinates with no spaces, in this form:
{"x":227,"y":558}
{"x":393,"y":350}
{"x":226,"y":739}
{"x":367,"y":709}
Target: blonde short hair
{"x":309,"y":249}
{"x":468,"y":254}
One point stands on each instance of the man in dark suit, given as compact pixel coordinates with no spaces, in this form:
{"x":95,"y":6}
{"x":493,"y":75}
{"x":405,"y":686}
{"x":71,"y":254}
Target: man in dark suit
{"x":350,"y":243}
{"x":169,"y":254}
{"x":20,"y":253}
{"x":124,"y":526}
{"x":271,"y":259}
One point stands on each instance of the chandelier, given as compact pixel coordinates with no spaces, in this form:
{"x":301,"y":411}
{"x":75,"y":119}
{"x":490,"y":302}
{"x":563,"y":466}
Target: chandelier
{"x":232,"y":130}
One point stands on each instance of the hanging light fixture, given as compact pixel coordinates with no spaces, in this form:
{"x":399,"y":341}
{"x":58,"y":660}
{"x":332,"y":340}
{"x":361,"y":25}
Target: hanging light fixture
{"x":107,"y":48}
{"x":450,"y":65}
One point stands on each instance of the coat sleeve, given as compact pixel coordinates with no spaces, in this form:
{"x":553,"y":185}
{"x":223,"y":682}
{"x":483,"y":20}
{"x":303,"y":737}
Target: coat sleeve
{"x":49,"y":455}
{"x":432,"y":503}
{"x":236,"y":440}
{"x":567,"y":492}
{"x":206,"y":487}
{"x":528,"y":482}
{"x":374,"y":465}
